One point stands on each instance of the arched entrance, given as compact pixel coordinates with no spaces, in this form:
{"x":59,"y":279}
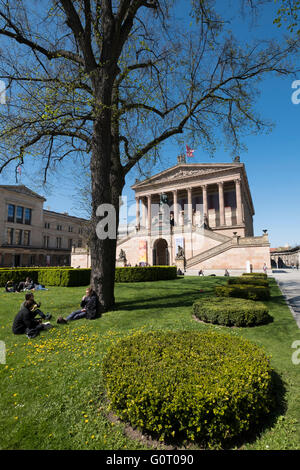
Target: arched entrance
{"x":160,"y":253}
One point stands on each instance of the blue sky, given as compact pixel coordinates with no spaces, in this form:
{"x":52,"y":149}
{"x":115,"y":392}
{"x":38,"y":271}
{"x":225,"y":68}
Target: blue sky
{"x":272,"y":161}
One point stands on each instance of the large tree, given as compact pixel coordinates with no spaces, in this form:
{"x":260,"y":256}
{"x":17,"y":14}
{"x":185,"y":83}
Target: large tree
{"x":288,"y":15}
{"x":114,"y":79}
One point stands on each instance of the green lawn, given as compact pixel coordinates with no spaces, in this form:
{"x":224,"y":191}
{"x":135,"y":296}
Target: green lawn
{"x":51,"y":388}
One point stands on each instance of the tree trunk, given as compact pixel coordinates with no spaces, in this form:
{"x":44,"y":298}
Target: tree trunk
{"x":107,"y":185}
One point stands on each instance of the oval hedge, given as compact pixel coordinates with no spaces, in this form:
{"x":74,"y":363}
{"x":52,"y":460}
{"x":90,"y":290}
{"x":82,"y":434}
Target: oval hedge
{"x":243,"y":291}
{"x":246,"y":280}
{"x":261,"y":275}
{"x":199,"y":386}
{"x":231,"y":312}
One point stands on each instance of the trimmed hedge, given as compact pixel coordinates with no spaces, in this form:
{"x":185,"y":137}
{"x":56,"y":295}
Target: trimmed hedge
{"x":231,"y":312}
{"x":18,"y":275}
{"x":147,"y":273}
{"x":35,"y":267}
{"x":244,"y":291}
{"x":201,"y":386}
{"x":65,"y":277}
{"x":246,"y":280}
{"x":263,"y":275}
{"x":81,"y":277}
{"x":47,"y":276}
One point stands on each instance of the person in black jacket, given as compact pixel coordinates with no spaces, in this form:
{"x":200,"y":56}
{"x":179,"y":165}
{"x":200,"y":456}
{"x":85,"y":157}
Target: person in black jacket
{"x":25,"y":323}
{"x":10,"y":286}
{"x":36,"y":307}
{"x":88,"y":310}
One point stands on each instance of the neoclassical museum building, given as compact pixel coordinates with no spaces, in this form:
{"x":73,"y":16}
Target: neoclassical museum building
{"x":202,"y":212}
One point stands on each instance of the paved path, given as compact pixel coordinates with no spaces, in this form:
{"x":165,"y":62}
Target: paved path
{"x":289,"y":284}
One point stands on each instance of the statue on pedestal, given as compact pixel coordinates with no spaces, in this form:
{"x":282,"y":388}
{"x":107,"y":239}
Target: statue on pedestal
{"x":180,"y":259}
{"x":121,"y":261}
{"x":180,"y":253}
{"x":122,"y":255}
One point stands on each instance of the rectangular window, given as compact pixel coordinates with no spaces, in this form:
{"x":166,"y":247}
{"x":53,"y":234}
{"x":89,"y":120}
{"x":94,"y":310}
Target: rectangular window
{"x":58,"y":242}
{"x":70,"y":229}
{"x":27,"y":220}
{"x":10,"y":213}
{"x":26,"y":238}
{"x":18,"y":237}
{"x":10,"y":236}
{"x":79,"y":243}
{"x":59,"y":227}
{"x":19,"y":215}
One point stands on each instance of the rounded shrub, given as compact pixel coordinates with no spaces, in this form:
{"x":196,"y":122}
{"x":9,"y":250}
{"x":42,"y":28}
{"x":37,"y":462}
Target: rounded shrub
{"x":261,"y":275}
{"x":254,"y":281}
{"x":243,"y":291}
{"x":207,"y":387}
{"x":231,"y":312}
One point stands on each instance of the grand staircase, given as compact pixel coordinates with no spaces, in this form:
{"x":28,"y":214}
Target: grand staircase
{"x":216,"y":250}
{"x":234,"y":242}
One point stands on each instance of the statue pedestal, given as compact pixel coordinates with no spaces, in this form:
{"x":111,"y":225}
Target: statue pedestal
{"x":180,"y":264}
{"x":121,"y":263}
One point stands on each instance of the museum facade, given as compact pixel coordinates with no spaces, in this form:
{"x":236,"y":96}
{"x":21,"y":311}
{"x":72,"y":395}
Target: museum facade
{"x":202,"y":212}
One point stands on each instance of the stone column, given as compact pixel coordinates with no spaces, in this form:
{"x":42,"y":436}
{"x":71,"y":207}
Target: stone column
{"x":239,"y":206}
{"x":221,"y":203}
{"x":143,"y":212}
{"x":175,"y":207}
{"x":204,"y":194}
{"x":137,"y":200}
{"x":190,"y":207}
{"x":149,"y":213}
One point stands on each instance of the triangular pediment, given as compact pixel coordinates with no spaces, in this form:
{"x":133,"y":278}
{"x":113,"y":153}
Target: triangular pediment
{"x":185,"y":171}
{"x":22,"y":190}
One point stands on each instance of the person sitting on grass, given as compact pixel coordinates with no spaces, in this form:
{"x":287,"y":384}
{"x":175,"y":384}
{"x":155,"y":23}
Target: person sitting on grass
{"x":28,"y":284}
{"x":25,"y":322}
{"x":36,"y":307}
{"x":88,"y":310}
{"x":10,"y":286}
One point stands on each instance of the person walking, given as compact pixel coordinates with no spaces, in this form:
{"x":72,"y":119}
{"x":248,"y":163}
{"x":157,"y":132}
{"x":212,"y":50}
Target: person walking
{"x":265,"y":268}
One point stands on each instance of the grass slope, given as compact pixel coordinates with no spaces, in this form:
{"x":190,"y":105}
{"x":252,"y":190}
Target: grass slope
{"x":51,"y":388}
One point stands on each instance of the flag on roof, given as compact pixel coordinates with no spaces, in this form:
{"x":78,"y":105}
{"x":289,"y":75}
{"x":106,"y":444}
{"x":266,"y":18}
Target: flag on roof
{"x":19,"y":170}
{"x":189,"y":151}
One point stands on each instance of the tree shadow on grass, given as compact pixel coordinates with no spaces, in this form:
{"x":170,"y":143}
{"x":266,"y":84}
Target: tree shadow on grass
{"x":277,"y":300}
{"x":171,"y":299}
{"x":185,"y":299}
